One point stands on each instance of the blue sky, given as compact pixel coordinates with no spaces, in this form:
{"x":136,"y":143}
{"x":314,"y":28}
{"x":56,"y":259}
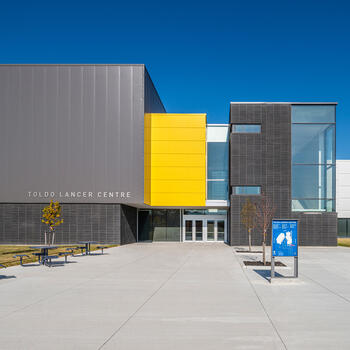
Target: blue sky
{"x":200,"y":55}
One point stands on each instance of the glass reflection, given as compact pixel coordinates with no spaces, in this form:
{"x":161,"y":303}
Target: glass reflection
{"x":313,"y":204}
{"x":313,"y":144}
{"x":313,"y":114}
{"x":313,"y":158}
{"x":221,"y":230}
{"x":246,"y":128}
{"x":210,"y":230}
{"x":217,"y":190}
{"x":188,"y":230}
{"x":199,"y":230}
{"x":217,"y":160}
{"x":247,"y":190}
{"x":313,"y":181}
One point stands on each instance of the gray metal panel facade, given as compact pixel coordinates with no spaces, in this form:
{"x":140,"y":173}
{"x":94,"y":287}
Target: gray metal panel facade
{"x":265,"y":160}
{"x":72,"y":128}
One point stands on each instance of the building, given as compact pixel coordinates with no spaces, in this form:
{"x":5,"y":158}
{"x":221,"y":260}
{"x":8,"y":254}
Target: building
{"x":287,"y":151}
{"x":343,"y":197}
{"x":97,"y":138}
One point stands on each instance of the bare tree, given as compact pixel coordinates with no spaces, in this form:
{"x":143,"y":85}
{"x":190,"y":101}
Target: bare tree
{"x":248,"y":218}
{"x":265,"y":211}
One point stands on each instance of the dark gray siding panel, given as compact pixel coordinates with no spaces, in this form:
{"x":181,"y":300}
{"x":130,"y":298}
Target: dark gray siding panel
{"x":128,"y":224}
{"x":21,"y":223}
{"x":265,"y":160}
{"x":71,"y":128}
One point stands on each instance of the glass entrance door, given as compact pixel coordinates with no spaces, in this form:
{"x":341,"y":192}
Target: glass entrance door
{"x":188,"y":230}
{"x":193,"y":230}
{"x":197,"y":229}
{"x":210,"y":230}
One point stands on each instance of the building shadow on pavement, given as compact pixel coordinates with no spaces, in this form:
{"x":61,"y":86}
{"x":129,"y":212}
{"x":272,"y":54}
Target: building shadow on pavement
{"x":4,"y":277}
{"x":266,"y":274}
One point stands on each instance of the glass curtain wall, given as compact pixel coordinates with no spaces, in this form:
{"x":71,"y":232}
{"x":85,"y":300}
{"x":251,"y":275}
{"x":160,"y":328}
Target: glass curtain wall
{"x":313,"y":158}
{"x":217,"y":162}
{"x":159,"y":225}
{"x":343,"y":227}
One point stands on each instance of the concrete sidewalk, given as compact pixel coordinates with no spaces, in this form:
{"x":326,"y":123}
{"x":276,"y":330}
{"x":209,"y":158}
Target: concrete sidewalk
{"x":176,"y":296}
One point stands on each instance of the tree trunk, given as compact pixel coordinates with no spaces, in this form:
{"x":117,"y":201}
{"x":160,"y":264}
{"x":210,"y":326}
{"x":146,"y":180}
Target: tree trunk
{"x":264,"y":257}
{"x":45,"y":237}
{"x":250,"y":239}
{"x":53,"y":236}
{"x":264,"y":250}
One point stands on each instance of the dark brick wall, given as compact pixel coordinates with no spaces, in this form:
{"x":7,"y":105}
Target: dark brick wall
{"x":265,"y":160}
{"x":317,"y":229}
{"x":105,"y":223}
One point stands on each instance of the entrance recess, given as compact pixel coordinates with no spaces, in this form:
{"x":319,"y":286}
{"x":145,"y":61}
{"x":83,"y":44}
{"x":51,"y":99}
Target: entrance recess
{"x":202,"y":228}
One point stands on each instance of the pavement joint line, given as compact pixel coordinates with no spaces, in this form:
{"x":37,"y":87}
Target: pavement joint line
{"x":73,"y":286}
{"x":260,"y":301}
{"x":147,"y":300}
{"x":326,"y":288}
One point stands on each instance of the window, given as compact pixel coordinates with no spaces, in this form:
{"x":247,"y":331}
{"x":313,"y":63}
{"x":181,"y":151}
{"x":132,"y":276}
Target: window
{"x":313,"y":143}
{"x":343,"y":227}
{"x":313,"y":158}
{"x":246,"y":190}
{"x":313,"y":114}
{"x":313,"y":181}
{"x":217,"y":189}
{"x":246,"y":128}
{"x":217,"y":162}
{"x":205,"y":212}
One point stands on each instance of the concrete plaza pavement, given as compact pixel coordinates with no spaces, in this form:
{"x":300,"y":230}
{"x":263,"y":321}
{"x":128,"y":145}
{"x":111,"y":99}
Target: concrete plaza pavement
{"x":177,"y":296}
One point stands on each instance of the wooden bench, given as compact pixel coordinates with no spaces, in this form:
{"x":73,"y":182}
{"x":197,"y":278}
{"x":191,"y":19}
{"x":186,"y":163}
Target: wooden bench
{"x":65,"y":254}
{"x":47,"y":260}
{"x":102,"y":247}
{"x":21,"y":256}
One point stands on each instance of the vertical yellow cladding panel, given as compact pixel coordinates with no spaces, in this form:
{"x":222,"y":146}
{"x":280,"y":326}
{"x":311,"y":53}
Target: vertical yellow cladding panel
{"x":175,"y":159}
{"x":147,"y":159}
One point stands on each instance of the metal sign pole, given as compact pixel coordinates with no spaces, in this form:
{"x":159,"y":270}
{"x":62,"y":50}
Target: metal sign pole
{"x":272,"y":266}
{"x":295,"y":266}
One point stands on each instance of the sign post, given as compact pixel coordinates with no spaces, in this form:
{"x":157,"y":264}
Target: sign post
{"x":284,"y":242}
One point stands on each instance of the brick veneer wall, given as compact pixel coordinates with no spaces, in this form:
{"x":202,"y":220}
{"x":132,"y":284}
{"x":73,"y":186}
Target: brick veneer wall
{"x":105,"y":223}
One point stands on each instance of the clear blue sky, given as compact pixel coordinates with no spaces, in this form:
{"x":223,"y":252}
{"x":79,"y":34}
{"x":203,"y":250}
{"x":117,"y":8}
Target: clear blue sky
{"x":200,"y":55}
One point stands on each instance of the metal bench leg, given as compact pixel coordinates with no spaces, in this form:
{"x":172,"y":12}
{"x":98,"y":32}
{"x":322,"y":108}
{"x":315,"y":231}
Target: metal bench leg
{"x":102,"y":251}
{"x":20,"y":259}
{"x":65,"y":258}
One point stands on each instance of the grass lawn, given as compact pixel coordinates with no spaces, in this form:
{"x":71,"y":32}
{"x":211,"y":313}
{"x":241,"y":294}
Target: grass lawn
{"x":344,"y":242}
{"x":8,"y":251}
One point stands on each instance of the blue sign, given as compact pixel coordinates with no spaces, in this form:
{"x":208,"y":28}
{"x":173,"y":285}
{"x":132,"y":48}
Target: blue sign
{"x":284,"y":237}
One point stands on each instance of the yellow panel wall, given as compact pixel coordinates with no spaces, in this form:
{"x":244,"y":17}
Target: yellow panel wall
{"x":175,"y":159}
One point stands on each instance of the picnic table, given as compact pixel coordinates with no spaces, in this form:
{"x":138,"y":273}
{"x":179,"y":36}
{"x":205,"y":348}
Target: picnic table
{"x":87,"y":246}
{"x":44,"y":251}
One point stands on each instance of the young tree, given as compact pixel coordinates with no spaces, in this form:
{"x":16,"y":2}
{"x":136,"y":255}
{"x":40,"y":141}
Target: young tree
{"x":265,"y":211}
{"x":52,"y":218}
{"x":248,"y":218}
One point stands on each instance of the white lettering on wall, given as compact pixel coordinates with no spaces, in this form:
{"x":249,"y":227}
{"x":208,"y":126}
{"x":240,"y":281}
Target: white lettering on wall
{"x":78,"y":194}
